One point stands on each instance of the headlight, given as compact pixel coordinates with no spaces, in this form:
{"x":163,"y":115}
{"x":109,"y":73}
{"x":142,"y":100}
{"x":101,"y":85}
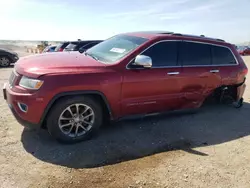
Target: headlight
{"x":30,"y":83}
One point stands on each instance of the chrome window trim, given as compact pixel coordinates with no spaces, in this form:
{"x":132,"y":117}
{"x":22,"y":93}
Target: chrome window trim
{"x":179,"y":66}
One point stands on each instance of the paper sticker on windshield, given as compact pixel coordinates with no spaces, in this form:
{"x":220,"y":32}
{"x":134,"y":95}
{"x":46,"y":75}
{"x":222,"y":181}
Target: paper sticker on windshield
{"x":118,"y":50}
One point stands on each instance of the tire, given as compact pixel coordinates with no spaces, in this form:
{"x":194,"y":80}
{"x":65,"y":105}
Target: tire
{"x":60,"y":111}
{"x":239,"y":103}
{"x":4,"y":61}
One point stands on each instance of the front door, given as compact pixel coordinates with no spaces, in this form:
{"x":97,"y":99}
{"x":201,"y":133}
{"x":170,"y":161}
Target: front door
{"x":156,"y":89}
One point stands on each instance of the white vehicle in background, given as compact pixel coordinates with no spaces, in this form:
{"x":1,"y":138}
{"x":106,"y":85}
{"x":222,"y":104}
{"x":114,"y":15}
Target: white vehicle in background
{"x":49,"y":49}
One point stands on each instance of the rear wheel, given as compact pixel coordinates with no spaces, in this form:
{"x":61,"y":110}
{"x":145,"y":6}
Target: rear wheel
{"x":74,"y":119}
{"x":4,"y":61}
{"x":238,"y":104}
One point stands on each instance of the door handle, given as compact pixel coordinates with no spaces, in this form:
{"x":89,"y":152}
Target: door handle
{"x":173,"y":73}
{"x":214,"y":71}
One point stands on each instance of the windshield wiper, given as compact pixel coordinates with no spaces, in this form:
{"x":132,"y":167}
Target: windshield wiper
{"x":94,"y":57}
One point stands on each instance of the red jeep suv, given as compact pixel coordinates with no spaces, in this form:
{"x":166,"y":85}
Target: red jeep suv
{"x":141,"y":73}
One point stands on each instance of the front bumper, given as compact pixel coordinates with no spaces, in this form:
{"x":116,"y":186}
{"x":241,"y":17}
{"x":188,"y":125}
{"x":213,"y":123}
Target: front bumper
{"x":20,"y":116}
{"x":16,"y":58}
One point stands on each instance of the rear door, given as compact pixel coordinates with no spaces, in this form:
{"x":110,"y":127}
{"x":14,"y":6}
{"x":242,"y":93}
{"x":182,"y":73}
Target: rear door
{"x":200,"y":76}
{"x":156,"y":89}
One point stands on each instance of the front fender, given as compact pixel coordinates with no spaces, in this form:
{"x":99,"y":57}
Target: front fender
{"x":72,"y":93}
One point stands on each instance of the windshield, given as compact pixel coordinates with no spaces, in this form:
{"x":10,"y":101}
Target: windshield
{"x":115,"y":48}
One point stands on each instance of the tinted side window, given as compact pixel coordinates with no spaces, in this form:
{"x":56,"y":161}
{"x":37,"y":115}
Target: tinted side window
{"x":65,"y":44}
{"x":90,"y":45}
{"x":195,"y":54}
{"x":222,"y":56}
{"x":163,"y":54}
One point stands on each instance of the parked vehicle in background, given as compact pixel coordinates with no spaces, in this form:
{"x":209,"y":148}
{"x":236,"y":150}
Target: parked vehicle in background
{"x":60,"y":47}
{"x":244,"y":50}
{"x":49,"y":49}
{"x":75,"y":46}
{"x":7,"y":57}
{"x":132,"y":74}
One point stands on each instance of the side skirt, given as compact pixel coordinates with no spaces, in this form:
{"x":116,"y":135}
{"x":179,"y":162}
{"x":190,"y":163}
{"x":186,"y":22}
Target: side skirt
{"x":141,"y":116}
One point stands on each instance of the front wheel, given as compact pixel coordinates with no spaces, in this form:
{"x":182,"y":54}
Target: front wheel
{"x":4,"y":61}
{"x":74,"y":119}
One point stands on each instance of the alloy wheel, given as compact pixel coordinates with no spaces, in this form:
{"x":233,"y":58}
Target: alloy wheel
{"x":4,"y":61}
{"x":76,"y":120}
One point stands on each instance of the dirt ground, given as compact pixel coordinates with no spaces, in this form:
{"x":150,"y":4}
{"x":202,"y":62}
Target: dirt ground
{"x":207,"y":149}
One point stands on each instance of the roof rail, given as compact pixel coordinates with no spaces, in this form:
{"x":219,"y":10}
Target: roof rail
{"x":201,"y":36}
{"x":168,"y":32}
{"x":177,"y":34}
{"x":221,"y":40}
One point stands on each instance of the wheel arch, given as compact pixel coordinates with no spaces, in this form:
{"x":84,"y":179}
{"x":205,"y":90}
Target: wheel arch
{"x":95,"y":94}
{"x":4,"y":54}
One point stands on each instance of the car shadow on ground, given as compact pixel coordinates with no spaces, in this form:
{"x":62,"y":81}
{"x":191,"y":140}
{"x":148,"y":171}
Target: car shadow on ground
{"x":129,"y":140}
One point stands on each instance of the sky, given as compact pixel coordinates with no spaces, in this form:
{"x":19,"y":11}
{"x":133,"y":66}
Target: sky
{"x":101,"y":19}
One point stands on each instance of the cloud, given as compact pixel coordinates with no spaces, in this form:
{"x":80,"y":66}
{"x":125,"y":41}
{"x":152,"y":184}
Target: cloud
{"x":164,"y":10}
{"x":143,"y":10}
{"x":171,"y":10}
{"x":195,"y":11}
{"x":132,"y":13}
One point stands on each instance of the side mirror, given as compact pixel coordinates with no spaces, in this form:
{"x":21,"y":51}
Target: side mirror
{"x":81,"y":50}
{"x":143,"y":60}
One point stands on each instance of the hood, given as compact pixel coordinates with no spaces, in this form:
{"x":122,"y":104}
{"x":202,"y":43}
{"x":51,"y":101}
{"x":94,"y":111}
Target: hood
{"x":55,"y":62}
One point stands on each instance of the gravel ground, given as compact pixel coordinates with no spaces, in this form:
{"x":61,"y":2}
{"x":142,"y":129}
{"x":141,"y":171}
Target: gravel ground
{"x":206,"y":149}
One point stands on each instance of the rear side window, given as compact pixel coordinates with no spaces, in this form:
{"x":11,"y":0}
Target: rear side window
{"x":222,"y":56}
{"x":81,"y":44}
{"x":163,"y":54}
{"x":195,"y":54}
{"x":90,"y":45}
